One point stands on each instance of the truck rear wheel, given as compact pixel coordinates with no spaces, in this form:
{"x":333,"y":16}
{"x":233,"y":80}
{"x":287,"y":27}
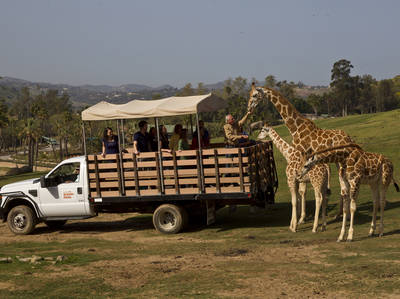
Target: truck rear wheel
{"x":21,"y":220}
{"x":169,"y":219}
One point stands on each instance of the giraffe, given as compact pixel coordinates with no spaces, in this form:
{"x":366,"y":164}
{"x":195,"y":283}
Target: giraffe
{"x":361,"y":168}
{"x":306,"y":136}
{"x":318,"y":176}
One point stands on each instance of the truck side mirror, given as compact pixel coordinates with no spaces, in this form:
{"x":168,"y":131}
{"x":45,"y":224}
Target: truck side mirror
{"x":43,"y":182}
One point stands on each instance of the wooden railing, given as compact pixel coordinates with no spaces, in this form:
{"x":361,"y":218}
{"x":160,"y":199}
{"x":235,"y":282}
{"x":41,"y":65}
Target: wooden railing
{"x":225,"y":170}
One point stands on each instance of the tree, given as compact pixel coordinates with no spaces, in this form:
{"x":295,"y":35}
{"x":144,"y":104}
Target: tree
{"x":270,"y":81}
{"x":30,"y":132}
{"x":342,"y":83}
{"x":201,"y":89}
{"x":286,"y":89}
{"x":367,"y":94}
{"x":3,"y":121}
{"x":187,"y":90}
{"x":316,"y":102}
{"x":386,"y":99}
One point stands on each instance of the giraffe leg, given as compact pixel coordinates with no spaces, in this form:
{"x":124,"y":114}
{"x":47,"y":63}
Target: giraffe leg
{"x":353,"y":206}
{"x":382,"y":208}
{"x":328,"y":170}
{"x":343,"y":188}
{"x":324,"y":204}
{"x":293,"y":222}
{"x":344,"y":218}
{"x":318,"y":200}
{"x":375,"y":199}
{"x":302,"y":193}
{"x":345,"y":211}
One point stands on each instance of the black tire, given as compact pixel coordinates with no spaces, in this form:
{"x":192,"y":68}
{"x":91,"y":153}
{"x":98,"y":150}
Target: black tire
{"x":55,"y":224}
{"x":21,"y":220}
{"x":169,"y":219}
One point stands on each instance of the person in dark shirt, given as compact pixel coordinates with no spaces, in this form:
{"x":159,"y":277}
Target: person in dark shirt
{"x":109,"y":143}
{"x":164,"y":137}
{"x":141,"y":139}
{"x":153,"y":139}
{"x":204,"y":137}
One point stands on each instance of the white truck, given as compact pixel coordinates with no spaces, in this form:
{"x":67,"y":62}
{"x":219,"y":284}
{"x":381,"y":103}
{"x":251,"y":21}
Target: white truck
{"x":81,"y":187}
{"x":59,"y":196}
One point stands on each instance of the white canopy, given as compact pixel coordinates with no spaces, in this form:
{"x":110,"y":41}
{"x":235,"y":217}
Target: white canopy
{"x":154,"y":108}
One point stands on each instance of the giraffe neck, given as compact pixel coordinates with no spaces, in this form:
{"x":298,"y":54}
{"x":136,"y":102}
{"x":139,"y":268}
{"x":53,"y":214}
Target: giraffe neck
{"x":292,"y":118}
{"x":281,"y":144}
{"x":333,"y":156}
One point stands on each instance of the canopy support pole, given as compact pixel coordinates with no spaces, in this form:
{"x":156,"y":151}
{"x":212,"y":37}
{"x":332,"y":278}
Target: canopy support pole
{"x":121,"y":163}
{"x":160,"y":155}
{"x":201,"y":153}
{"x":123,"y":133}
{"x":191,"y":125}
{"x":84,"y":138}
{"x":119,"y":139}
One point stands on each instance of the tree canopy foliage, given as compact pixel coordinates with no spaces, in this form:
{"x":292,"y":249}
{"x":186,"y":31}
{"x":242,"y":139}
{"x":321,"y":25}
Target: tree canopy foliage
{"x":28,"y":114}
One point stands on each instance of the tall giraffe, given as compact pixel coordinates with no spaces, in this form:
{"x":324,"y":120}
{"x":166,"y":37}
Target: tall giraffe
{"x":361,"y":168}
{"x":306,"y":136}
{"x":318,"y":176}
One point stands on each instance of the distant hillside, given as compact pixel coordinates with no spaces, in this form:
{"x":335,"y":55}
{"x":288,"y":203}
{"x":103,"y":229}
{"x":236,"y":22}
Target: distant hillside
{"x":86,"y":95}
{"x":306,"y":91}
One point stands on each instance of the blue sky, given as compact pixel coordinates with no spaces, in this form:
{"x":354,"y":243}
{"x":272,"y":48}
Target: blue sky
{"x":175,"y":42}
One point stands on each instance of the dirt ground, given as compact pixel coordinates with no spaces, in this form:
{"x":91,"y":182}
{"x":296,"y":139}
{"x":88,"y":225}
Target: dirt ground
{"x":276,"y":281}
{"x":12,"y":165}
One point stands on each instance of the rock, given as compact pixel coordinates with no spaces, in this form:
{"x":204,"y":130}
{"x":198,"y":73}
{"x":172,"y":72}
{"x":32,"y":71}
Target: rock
{"x":60,"y":259}
{"x":48,"y":259}
{"x":6,"y":260}
{"x":24,"y":259}
{"x":35,"y":259}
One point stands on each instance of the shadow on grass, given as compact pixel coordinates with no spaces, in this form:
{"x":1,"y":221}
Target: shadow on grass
{"x":277,"y":215}
{"x":139,"y":223}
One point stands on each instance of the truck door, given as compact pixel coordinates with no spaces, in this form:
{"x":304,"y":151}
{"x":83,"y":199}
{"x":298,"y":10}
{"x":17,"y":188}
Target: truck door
{"x":64,"y":196}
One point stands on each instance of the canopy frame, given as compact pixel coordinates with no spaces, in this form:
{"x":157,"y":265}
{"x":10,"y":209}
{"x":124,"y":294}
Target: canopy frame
{"x":172,"y":106}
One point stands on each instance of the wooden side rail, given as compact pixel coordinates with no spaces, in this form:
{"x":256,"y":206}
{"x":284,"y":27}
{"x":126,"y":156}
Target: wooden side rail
{"x":224,"y":170}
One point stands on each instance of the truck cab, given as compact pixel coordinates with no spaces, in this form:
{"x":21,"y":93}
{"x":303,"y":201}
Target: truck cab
{"x":54,"y":198}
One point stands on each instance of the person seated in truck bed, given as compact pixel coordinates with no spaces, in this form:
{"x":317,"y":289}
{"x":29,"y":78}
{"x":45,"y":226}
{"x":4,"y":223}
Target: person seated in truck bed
{"x":173,"y":143}
{"x":153,"y":139}
{"x":141,"y":139}
{"x":109,"y":142}
{"x":164,"y":137}
{"x":204,"y":137}
{"x":234,"y":136}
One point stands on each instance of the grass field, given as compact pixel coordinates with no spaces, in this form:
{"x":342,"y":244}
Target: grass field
{"x":242,"y":255}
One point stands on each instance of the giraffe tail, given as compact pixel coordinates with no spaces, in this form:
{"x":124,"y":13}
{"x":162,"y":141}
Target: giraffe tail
{"x":396,"y":185}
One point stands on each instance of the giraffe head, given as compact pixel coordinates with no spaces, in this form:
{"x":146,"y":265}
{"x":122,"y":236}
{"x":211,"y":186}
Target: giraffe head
{"x":256,"y":95}
{"x":264,"y":132}
{"x":308,"y":165}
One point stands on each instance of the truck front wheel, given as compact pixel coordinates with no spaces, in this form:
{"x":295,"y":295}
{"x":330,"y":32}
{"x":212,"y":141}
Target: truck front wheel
{"x":169,"y":219}
{"x":21,"y":220}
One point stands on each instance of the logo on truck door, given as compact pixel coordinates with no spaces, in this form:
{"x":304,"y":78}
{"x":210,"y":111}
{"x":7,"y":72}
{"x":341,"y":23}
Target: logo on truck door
{"x":68,"y":194}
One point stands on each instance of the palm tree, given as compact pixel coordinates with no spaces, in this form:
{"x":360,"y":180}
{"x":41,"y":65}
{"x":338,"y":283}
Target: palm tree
{"x":30,"y":131}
